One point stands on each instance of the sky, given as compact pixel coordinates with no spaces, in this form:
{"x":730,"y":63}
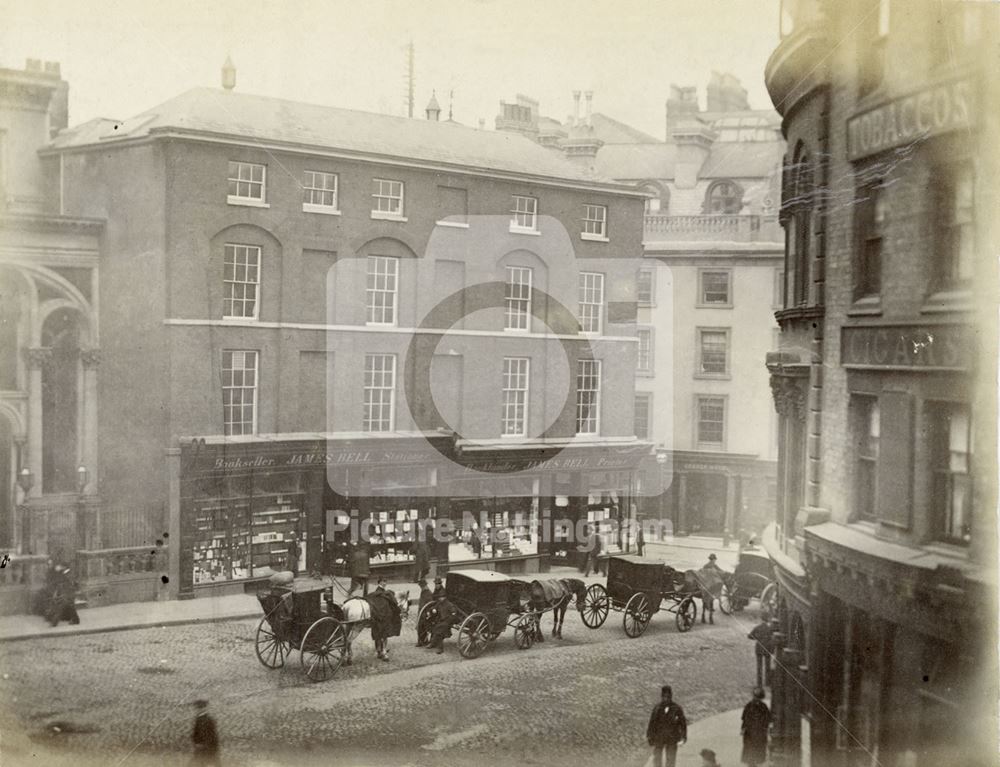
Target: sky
{"x":122,"y":57}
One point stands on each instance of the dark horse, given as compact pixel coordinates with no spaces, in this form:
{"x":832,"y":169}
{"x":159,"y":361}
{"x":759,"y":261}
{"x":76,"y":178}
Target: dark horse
{"x":556,"y":594}
{"x":705,"y":584}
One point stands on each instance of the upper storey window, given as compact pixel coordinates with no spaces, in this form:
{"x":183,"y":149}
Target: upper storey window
{"x":247,"y":183}
{"x":387,"y":199}
{"x":955,"y":247}
{"x":870,"y":212}
{"x":871,"y":45}
{"x":319,"y":192}
{"x":524,"y":214}
{"x":799,"y":229}
{"x":725,"y":198}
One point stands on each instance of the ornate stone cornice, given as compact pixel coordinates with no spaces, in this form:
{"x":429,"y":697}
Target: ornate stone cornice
{"x":90,"y":358}
{"x":789,"y":397}
{"x":39,"y":357}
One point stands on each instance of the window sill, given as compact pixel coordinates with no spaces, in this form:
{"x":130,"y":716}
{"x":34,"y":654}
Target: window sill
{"x":453,"y":224}
{"x":948,"y":301}
{"x":308,"y":207}
{"x":714,"y":447}
{"x":516,"y":330}
{"x":713,"y":376}
{"x":645,"y":305}
{"x":227,"y":318}
{"x":643,"y":373}
{"x":593,"y":237}
{"x":381,"y":216}
{"x":513,"y":436}
{"x":869,"y":306}
{"x":728,"y":305}
{"x":520,"y":230}
{"x":381,"y":325}
{"x":247,"y":202}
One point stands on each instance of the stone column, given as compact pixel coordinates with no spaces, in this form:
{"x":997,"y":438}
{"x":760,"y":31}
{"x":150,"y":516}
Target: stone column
{"x":681,"y":505}
{"x":37,"y":359}
{"x":173,"y":455}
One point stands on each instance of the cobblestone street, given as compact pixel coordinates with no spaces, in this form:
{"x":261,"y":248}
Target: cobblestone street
{"x":122,"y":698}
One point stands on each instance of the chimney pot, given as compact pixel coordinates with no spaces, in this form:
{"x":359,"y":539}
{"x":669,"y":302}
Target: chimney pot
{"x":33,"y":65}
{"x":576,"y":107}
{"x":590,"y":99}
{"x":228,"y":74}
{"x":52,"y":68}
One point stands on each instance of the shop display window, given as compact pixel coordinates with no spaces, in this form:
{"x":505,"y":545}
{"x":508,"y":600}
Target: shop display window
{"x":246,"y":537}
{"x":487,"y":528}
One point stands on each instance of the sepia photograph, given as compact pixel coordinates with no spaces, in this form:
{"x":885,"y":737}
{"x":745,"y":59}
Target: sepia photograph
{"x":492,"y":382}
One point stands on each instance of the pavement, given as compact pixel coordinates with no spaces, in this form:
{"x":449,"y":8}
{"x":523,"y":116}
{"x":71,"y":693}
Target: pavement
{"x":682,"y":553}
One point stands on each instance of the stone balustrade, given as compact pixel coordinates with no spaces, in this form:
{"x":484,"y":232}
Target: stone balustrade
{"x":107,"y":563}
{"x":706,"y":228}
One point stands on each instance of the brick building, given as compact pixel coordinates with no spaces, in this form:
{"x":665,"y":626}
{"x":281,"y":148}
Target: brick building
{"x":713,"y":258}
{"x":286,"y":286}
{"x":885,"y":530}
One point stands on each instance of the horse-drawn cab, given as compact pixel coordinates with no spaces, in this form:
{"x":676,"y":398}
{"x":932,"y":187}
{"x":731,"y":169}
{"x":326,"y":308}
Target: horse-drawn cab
{"x":295,"y":617}
{"x":636,"y":587}
{"x":752,"y":579}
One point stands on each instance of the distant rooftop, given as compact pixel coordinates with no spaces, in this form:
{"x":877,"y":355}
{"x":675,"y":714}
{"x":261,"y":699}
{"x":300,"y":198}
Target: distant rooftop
{"x":217,"y":112}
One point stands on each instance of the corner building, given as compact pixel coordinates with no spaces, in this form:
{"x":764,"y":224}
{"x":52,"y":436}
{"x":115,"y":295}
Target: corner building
{"x":885,"y":382}
{"x":284,"y":286}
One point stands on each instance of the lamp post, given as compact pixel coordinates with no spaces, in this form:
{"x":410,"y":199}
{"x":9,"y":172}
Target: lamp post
{"x":661,"y":459}
{"x":81,"y":522}
{"x":25,"y":481}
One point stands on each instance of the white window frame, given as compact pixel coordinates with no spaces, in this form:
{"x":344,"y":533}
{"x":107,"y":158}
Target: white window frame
{"x":646,"y":370}
{"x":371,"y":386}
{"x":389,"y":286}
{"x":515,"y":396}
{"x":232,"y":286}
{"x":513,"y":303}
{"x":526,"y":209}
{"x":699,"y":443}
{"x":229,"y":384}
{"x":652,"y":287}
{"x":382,"y":192}
{"x":648,"y":397}
{"x":699,"y":371}
{"x":590,"y":294}
{"x":235,"y":176}
{"x":728,"y":303}
{"x":310,"y":178}
{"x":595,"y":223}
{"x":588,"y":371}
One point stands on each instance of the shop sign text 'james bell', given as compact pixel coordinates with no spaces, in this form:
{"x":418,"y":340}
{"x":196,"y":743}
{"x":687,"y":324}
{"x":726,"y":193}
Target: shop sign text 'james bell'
{"x":939,"y":109}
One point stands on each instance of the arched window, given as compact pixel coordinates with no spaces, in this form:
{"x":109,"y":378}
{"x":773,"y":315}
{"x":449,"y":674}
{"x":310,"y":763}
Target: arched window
{"x":658,"y":204}
{"x":798,"y":228}
{"x":60,"y":396}
{"x":724,"y":198}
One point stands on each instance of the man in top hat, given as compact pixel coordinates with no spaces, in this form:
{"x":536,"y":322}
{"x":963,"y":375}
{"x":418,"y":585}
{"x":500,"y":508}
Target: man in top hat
{"x":666,"y":729}
{"x":438,"y":588}
{"x":712,"y":564}
{"x":204,"y":736}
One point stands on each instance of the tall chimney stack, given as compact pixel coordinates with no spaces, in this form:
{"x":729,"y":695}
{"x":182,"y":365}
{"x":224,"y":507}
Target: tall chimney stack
{"x":576,"y":107}
{"x":590,"y":99}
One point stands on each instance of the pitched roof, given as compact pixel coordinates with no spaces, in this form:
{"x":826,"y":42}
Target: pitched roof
{"x":270,"y":120}
{"x":612,"y":131}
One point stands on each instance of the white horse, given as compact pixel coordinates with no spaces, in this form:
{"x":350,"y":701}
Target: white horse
{"x":357,"y":615}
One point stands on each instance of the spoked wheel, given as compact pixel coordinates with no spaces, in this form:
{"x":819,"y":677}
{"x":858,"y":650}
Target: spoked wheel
{"x":473,"y":635}
{"x":726,"y":599}
{"x":769,"y":598}
{"x":426,"y":619}
{"x":524,"y":631}
{"x":638,"y":611}
{"x":323,"y":649}
{"x":595,"y":607}
{"x":687,"y":614}
{"x":271,"y":651}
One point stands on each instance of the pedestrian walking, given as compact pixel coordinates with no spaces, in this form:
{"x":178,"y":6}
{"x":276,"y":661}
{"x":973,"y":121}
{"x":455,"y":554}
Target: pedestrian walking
{"x":421,"y":557}
{"x":360,"y":568}
{"x":60,"y":602}
{"x":763,"y":646}
{"x":667,"y":729}
{"x":477,"y":543}
{"x":204,"y":736}
{"x":708,"y":758}
{"x":294,"y":552}
{"x":756,"y":722}
{"x":712,"y":564}
{"x":640,"y":540}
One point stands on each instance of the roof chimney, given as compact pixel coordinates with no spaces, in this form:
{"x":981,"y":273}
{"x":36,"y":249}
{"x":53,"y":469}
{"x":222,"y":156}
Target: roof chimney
{"x":682,"y":104}
{"x":228,"y":74}
{"x":433,"y":110}
{"x":576,"y":107}
{"x":590,"y":99}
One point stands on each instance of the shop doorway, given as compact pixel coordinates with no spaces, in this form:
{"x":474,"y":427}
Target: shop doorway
{"x":706,"y":500}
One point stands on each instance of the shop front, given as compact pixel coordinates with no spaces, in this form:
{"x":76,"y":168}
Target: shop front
{"x":250,"y":506}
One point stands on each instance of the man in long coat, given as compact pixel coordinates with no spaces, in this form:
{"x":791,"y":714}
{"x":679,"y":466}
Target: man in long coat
{"x":360,"y":568}
{"x":756,"y":721}
{"x":421,"y":559}
{"x":667,"y":728}
{"x":448,"y":616}
{"x":204,"y":736}
{"x":763,"y":644}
